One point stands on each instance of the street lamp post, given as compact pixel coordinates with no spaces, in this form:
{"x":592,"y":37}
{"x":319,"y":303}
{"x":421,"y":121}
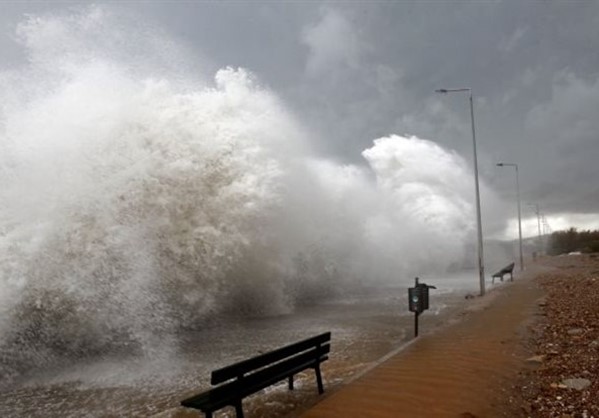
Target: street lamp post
{"x":481,"y":265}
{"x":519,"y":213}
{"x":539,"y":240}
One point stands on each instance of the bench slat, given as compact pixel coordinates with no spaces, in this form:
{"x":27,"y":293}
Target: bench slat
{"x":227,"y":396}
{"x":245,"y":366}
{"x":230,"y":393}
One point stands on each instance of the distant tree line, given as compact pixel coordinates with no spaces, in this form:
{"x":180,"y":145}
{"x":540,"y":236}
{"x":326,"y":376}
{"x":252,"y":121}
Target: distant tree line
{"x":563,"y":242}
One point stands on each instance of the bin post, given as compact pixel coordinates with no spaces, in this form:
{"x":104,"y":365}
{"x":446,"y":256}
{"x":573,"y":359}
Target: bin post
{"x":416,"y":313}
{"x":418,"y":300}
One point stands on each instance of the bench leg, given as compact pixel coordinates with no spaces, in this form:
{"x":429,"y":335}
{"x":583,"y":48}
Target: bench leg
{"x":319,"y":379}
{"x":291,"y":382}
{"x":239,"y":409}
{"x":511,"y":277}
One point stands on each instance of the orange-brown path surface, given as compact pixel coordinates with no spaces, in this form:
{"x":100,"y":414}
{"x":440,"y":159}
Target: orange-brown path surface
{"x":460,"y":371}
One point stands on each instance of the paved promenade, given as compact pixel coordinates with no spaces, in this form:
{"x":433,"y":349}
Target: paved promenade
{"x":460,"y":371}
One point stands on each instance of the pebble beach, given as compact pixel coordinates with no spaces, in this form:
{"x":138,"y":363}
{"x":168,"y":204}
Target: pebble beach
{"x":562,"y":376}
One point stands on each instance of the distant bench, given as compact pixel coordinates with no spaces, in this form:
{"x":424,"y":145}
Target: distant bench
{"x":509,"y":269}
{"x":252,"y":375}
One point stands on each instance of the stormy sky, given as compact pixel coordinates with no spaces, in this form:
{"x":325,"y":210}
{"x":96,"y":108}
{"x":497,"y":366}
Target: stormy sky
{"x":355,"y":71}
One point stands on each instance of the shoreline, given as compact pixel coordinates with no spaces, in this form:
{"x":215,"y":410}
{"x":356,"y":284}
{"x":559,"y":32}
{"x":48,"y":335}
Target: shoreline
{"x":353,"y":358}
{"x":341,"y":373}
{"x":474,"y":332}
{"x":365,"y":328}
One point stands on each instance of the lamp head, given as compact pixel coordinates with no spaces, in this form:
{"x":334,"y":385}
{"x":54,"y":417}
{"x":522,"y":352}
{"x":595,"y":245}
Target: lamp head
{"x":444,"y":91}
{"x":500,"y":164}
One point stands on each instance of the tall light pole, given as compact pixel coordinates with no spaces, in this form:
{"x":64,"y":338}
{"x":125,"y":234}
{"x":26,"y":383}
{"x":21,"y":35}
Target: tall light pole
{"x":519,"y":213}
{"x":481,"y":264}
{"x":539,"y":241}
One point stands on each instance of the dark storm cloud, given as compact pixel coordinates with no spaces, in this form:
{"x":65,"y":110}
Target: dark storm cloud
{"x":355,"y":71}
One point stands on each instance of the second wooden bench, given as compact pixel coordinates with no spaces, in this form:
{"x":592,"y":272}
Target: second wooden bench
{"x":509,"y":269}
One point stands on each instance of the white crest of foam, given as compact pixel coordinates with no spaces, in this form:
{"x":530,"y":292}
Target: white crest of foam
{"x":428,"y":216}
{"x":119,"y":186}
{"x":135,"y":199}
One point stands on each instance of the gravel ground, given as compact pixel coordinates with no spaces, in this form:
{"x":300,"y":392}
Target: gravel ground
{"x":562,"y":378}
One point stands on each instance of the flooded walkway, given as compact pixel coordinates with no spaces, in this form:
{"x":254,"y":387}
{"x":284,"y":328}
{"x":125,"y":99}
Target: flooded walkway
{"x":457,"y":372}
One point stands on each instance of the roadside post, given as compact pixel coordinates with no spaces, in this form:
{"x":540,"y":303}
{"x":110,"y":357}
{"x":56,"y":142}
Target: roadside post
{"x":418,"y":300}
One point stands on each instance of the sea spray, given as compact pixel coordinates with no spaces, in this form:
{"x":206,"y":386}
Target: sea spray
{"x":137,"y":200}
{"x":427,"y":199}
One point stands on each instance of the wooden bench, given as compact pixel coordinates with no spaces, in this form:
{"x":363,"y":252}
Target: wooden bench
{"x":509,"y":269}
{"x":242,"y":379}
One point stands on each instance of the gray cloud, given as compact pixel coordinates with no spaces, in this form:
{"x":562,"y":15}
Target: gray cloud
{"x":332,"y":42}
